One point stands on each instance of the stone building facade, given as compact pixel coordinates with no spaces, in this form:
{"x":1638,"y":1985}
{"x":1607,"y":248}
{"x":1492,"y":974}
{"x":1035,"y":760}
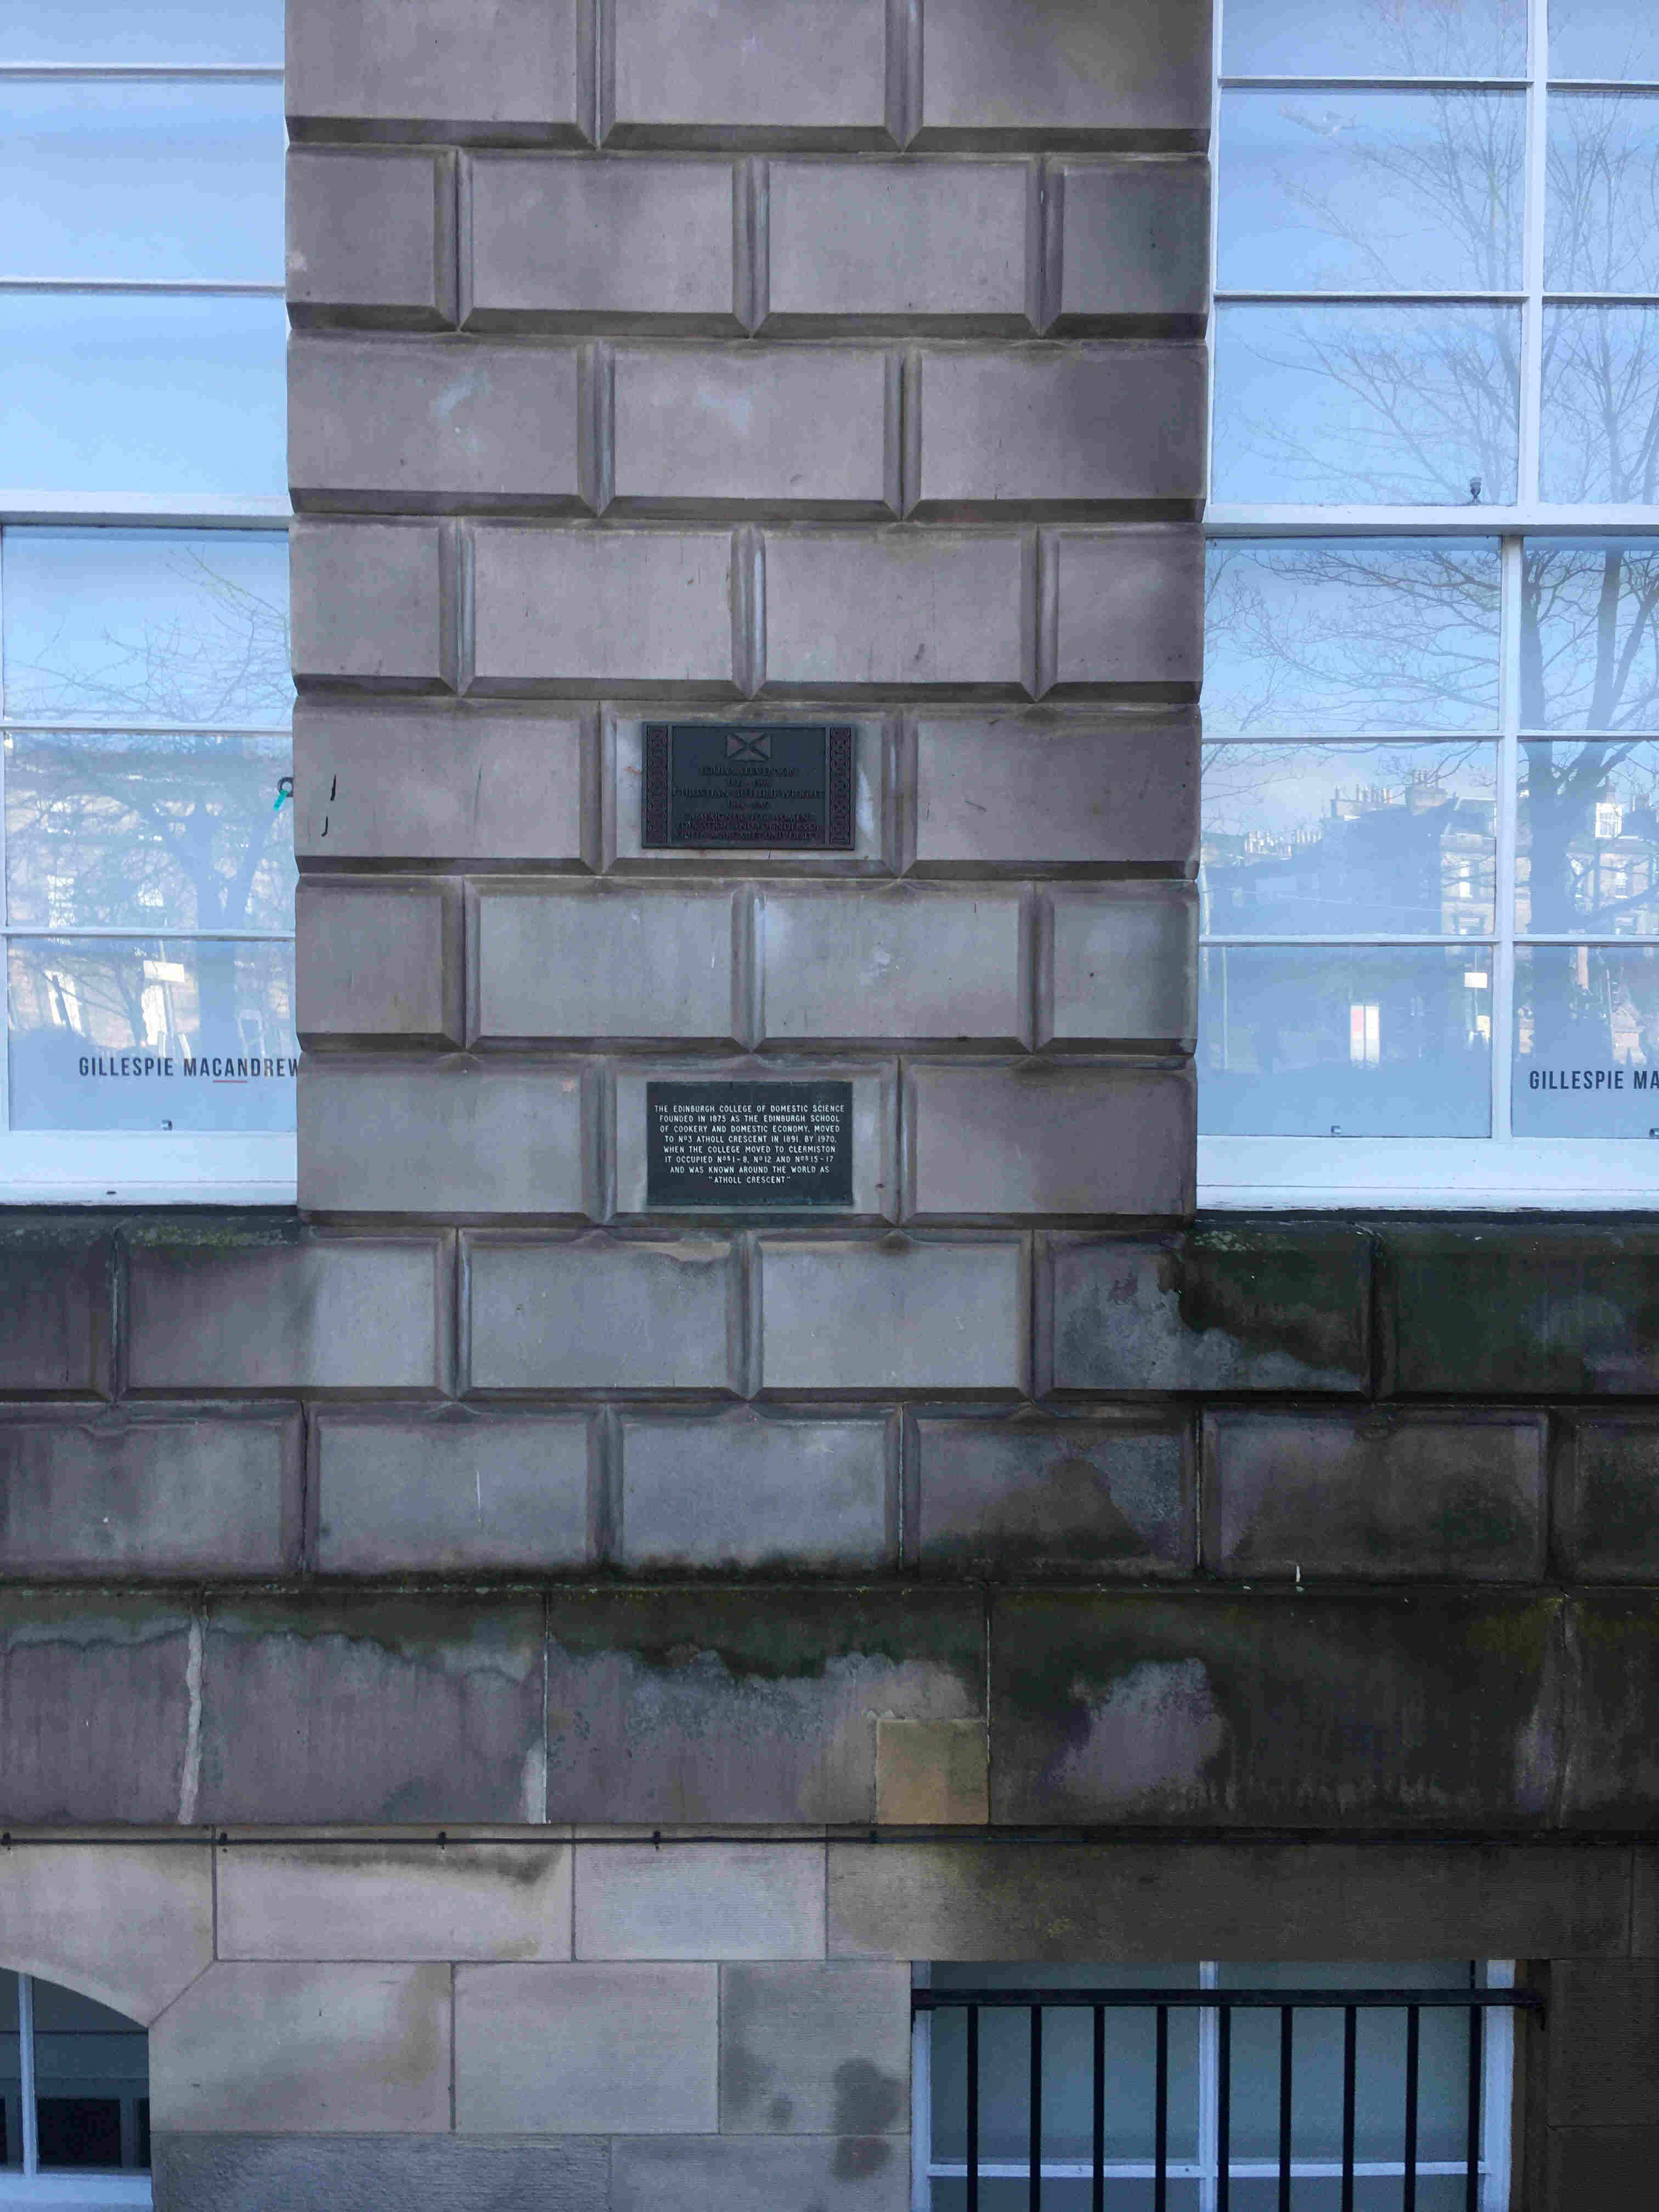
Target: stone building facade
{"x":506,"y":1681}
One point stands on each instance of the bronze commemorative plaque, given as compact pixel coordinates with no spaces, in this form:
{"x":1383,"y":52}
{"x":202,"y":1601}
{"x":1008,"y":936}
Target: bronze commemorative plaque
{"x":782,"y":786}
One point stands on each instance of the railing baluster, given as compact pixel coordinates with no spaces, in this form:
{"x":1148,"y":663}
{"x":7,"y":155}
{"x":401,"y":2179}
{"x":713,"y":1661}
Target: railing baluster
{"x":1036,"y":2198}
{"x":1286,"y":2017}
{"x":1472,"y":2185}
{"x":1161,"y":2116}
{"x":1224,"y":2111}
{"x":1349,"y":2068}
{"x":973,"y":2108}
{"x":1412,"y":2021}
{"x":1097,"y":2199}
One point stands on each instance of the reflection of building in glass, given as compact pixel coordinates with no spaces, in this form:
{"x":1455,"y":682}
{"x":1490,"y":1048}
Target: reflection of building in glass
{"x":1588,"y":848}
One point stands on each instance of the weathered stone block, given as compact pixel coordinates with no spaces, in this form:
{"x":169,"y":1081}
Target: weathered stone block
{"x":378,"y":961}
{"x":881,"y":617}
{"x":440,"y":783}
{"x":420,"y":427}
{"x":1600,"y":2166}
{"x":909,"y":1314}
{"x":1048,"y":1140}
{"x":129,"y":1925}
{"x":743,"y":1491}
{"x":1057,"y":429}
{"x":1222,"y":1308}
{"x":94,"y":1709}
{"x":600,"y":2050}
{"x":460,"y":1138}
{"x":900,"y":246}
{"x":1374,"y":1496}
{"x":727,"y":2173}
{"x":56,"y":1330}
{"x":894,"y":964}
{"x":875,"y":1123}
{"x":740,"y":1900}
{"x":596,"y":1313}
{"x":372,"y":604}
{"x":1129,"y":610}
{"x":305,"y":2049}
{"x":365,"y":2173}
{"x":1610,"y":1725}
{"x":1129,"y":245}
{"x":1603,"y":2050}
{"x":373,"y":1708}
{"x":931,"y":1774}
{"x":371,"y":239}
{"x":1137,"y":74}
{"x":156,"y":1491}
{"x":294,"y":1312}
{"x":387,"y":1900}
{"x":722,"y":1705}
{"x":767,"y":432}
{"x":434,"y":70}
{"x":1430,"y":1710}
{"x":609,"y":962}
{"x":1121,"y":967}
{"x":1607,"y":1499}
{"x":629,"y":611}
{"x":453,"y":1492}
{"x":815,"y":2051}
{"x":772,"y":72}
{"x":1002,"y":793}
{"x":1089,"y":1500}
{"x":586,"y":245}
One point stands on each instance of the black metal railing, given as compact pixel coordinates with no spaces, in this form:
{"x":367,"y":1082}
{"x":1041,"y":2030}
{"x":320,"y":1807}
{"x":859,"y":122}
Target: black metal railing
{"x":1224,"y":2004}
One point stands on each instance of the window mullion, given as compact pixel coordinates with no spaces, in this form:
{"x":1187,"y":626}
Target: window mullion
{"x":1532,"y":254}
{"x":26,"y":2070}
{"x":1509,"y":754}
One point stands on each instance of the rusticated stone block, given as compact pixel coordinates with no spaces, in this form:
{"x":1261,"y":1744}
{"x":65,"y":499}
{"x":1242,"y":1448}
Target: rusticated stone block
{"x":747,"y":1899}
{"x":362,"y":2173}
{"x":129,"y":1925}
{"x":1062,"y":76}
{"x":373,"y":1708}
{"x":434,"y":70}
{"x":552,"y":2049}
{"x":1428,"y":1709}
{"x":1601,"y":2055}
{"x":337,"y":1899}
{"x":727,"y":1704}
{"x":770,"y":72}
{"x":373,"y":605}
{"x":883,"y":617}
{"x":1121,"y":967}
{"x":1607,"y":1499}
{"x":378,"y":963}
{"x":55,"y":1325}
{"x":894,"y":964}
{"x":746,"y":1492}
{"x":94,"y":1710}
{"x":1129,"y":610}
{"x":1252,"y":1307}
{"x":599,"y":1313}
{"x":1374,"y":1496}
{"x":371,"y":239}
{"x":612,"y":960}
{"x":1085,"y":1500}
{"x":756,"y":2173}
{"x":815,"y":2050}
{"x":909,"y":1315}
{"x":1610,"y":1725}
{"x":1129,"y":245}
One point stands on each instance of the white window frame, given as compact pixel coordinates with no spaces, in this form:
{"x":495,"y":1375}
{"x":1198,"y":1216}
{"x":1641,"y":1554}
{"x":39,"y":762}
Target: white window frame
{"x":73,"y":2189}
{"x":1500,"y":1170}
{"x":136,"y":1166}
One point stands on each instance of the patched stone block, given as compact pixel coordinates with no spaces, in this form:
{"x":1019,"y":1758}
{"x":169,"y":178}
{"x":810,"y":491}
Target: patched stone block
{"x":1121,"y":967}
{"x":1051,"y":1142}
{"x":591,"y":245}
{"x":1248,"y":1307}
{"x":590,"y":2048}
{"x":1610,"y":1724}
{"x":129,"y":1925}
{"x":1374,"y":1496}
{"x":94,"y":1710}
{"x":741,"y":1900}
{"x":55,"y":1322}
{"x":157,"y":1492}
{"x":894,"y":964}
{"x":1138,"y":75}
{"x":772,"y":72}
{"x":1087,"y":1500}
{"x":1129,"y":245}
{"x":909,"y":1315}
{"x":373,"y":1708}
{"x":432,"y":69}
{"x":421,"y":428}
{"x":305,"y":2049}
{"x":743,"y":1491}
{"x":346,"y":2173}
{"x":607,"y":963}
{"x":372,"y":605}
{"x":371,"y":239}
{"x":388,"y":1900}
{"x":831,"y":2173}
{"x":597,"y":1313}
{"x":1431,"y":1709}
{"x":313,"y":1313}
{"x":880,"y":618}
{"x":1007,"y":792}
{"x":1128,"y":610}
{"x":378,"y":961}
{"x":1607,"y":1500}
{"x":815,"y":2051}
{"x":900,"y":246}
{"x":723,"y":1704}
{"x":453,"y":1492}
{"x":631,"y":611}
{"x":931,"y":1774}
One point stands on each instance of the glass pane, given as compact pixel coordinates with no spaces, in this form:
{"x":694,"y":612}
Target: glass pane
{"x":1601,"y":405}
{"x":11,"y":2075}
{"x":1392,"y":405}
{"x":141,"y":180}
{"x":147,"y":831}
{"x":1350,"y":636}
{"x":1609,"y":41}
{"x":129,"y":396}
{"x":1379,"y":38}
{"x":92,"y":2067}
{"x":1599,"y":233}
{"x":1589,"y":841}
{"x":161,"y":31}
{"x":157,"y":1033}
{"x":1320,"y":840}
{"x":1590,"y":635}
{"x":135,"y":626}
{"x":1345,"y":1041}
{"x":1371,"y":192}
{"x":1586,"y":1041}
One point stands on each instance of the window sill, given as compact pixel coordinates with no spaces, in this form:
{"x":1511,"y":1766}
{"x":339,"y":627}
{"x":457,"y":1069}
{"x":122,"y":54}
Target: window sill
{"x":72,"y":1167}
{"x":1538,"y":1174}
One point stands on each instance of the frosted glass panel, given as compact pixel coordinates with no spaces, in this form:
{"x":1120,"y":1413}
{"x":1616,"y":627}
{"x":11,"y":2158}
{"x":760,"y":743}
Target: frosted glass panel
{"x":1601,"y":405}
{"x":1586,"y":1041}
{"x":1371,"y":1040}
{"x":1391,"y":406}
{"x":1599,"y":233}
{"x":1614,"y":41}
{"x":1589,"y":636}
{"x":1349,"y":637}
{"x":1588,"y":844}
{"x":146,"y":626}
{"x":154,"y":1034}
{"x":161,"y":31}
{"x":1408,"y":38}
{"x":1379,"y":192}
{"x":125,"y":396}
{"x":1328,"y":839}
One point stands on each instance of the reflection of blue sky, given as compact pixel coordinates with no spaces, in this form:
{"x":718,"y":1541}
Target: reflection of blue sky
{"x":1375,"y":38}
{"x":157,"y":33}
{"x":1589,"y":656}
{"x":1614,"y":41}
{"x":1600,"y":425}
{"x":1598,"y":210}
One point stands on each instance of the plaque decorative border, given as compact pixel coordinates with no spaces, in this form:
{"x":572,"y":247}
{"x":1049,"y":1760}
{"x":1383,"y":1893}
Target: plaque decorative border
{"x":838,"y":832}
{"x":656,"y":810}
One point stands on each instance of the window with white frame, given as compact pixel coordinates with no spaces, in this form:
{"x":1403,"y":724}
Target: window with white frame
{"x":145,"y":701}
{"x":1429,"y":879}
{"x":74,"y":2099}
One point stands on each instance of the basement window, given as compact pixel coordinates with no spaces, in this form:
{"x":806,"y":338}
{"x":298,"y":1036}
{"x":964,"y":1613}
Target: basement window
{"x":74,"y":2099}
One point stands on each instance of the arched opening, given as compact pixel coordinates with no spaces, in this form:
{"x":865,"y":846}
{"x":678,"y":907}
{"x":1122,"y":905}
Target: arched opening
{"x":74,"y":2099}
